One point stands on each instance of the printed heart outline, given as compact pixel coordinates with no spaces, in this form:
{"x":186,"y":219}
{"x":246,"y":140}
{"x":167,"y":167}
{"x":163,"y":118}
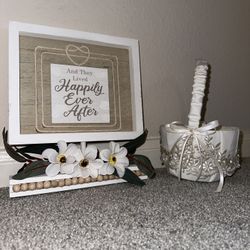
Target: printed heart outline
{"x":74,"y":48}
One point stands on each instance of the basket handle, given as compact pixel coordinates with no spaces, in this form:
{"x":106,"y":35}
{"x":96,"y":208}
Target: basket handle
{"x":200,"y":78}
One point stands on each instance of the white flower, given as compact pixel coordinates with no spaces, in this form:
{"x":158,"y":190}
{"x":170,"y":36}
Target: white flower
{"x":87,"y":165}
{"x":114,"y":158}
{"x":62,"y":162}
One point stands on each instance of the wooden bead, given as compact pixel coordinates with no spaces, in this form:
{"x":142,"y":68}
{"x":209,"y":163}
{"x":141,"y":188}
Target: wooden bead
{"x":24,"y":187}
{"x":32,"y":186}
{"x":111,"y":177}
{"x":61,"y":182}
{"x":54,"y":183}
{"x":93,"y":179}
{"x":137,"y":172}
{"x":99,"y":178}
{"x":68,"y":182}
{"x":39,"y":185}
{"x":81,"y":180}
{"x":105,"y":177}
{"x":74,"y":180}
{"x":116,"y":177}
{"x":16,"y":188}
{"x":87,"y":180}
{"x":46,"y":184}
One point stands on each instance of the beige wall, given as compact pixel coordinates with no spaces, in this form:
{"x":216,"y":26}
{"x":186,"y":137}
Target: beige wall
{"x":172,"y":34}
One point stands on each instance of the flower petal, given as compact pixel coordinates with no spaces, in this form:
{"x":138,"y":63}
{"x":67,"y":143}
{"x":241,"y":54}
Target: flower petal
{"x":90,"y":152}
{"x":104,"y":154}
{"x":122,"y":161}
{"x":106,"y":169}
{"x":85,"y":172}
{"x":122,"y":153}
{"x":71,"y":149}
{"x":71,"y":159}
{"x":62,"y":145}
{"x":52,"y":169}
{"x":97,"y":164}
{"x":120,"y":170}
{"x":115,"y":147}
{"x":77,"y":171}
{"x":93,"y":172}
{"x":67,"y":168}
{"x":78,"y":155}
{"x":50,"y":154}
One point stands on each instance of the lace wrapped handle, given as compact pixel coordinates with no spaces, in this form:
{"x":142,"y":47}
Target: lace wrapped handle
{"x":200,"y":78}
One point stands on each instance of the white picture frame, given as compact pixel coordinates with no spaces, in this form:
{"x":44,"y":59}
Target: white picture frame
{"x":18,"y":137}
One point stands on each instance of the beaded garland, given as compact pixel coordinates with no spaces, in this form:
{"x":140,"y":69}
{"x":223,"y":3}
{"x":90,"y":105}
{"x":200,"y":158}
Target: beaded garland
{"x":65,"y":182}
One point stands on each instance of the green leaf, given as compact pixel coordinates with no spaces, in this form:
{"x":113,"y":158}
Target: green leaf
{"x":27,"y":156}
{"x":10,"y":150}
{"x":23,"y":167}
{"x":132,"y":178}
{"x":34,"y":168}
{"x":37,"y":148}
{"x":144,"y":164}
{"x":131,"y":146}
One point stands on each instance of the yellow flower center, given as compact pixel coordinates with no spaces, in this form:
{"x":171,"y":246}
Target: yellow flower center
{"x":84,"y":163}
{"x":61,"y":158}
{"x":112,"y":160}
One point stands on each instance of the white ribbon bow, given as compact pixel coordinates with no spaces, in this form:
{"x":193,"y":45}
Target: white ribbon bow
{"x":195,"y":133}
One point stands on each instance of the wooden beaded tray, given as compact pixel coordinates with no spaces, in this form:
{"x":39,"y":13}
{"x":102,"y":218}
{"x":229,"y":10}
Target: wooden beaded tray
{"x":62,"y":182}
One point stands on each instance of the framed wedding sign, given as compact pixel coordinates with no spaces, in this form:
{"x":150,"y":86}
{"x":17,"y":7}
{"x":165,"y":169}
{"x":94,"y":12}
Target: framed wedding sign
{"x":71,"y":85}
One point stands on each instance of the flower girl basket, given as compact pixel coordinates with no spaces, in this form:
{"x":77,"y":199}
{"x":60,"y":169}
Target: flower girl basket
{"x":199,"y":153}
